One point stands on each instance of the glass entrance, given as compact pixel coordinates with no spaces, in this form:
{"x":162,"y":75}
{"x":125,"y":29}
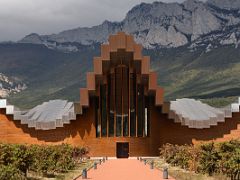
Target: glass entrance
{"x":122,"y":150}
{"x":123,"y":105}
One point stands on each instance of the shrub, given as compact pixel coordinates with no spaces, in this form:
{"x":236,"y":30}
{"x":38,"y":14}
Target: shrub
{"x":42,"y":162}
{"x":42,"y":159}
{"x":208,"y":159}
{"x":234,"y":165}
{"x":15,"y":155}
{"x":211,"y":158}
{"x":79,"y":152}
{"x":168,"y":152}
{"x":5,"y":152}
{"x":230,"y":158}
{"x":10,"y":172}
{"x":182,"y":156}
{"x":63,"y":158}
{"x":194,"y":155}
{"x":51,"y":159}
{"x":177,"y":155}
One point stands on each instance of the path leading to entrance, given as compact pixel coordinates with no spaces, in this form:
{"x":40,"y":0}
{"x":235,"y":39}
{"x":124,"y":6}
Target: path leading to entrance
{"x":124,"y":169}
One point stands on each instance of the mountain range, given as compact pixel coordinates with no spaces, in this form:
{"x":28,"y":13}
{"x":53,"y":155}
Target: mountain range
{"x":165,"y":25}
{"x":194,"y":47}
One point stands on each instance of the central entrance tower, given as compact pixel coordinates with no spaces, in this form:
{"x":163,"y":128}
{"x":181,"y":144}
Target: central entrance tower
{"x":122,"y":99}
{"x":122,"y":89}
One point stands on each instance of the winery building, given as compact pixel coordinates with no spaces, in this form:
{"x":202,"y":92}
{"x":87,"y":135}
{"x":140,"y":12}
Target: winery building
{"x":121,"y":111}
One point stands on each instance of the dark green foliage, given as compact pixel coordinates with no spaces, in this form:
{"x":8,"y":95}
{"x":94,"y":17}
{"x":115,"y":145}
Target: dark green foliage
{"x":234,"y":165}
{"x":208,"y":159}
{"x":177,"y":155}
{"x":18,"y":156}
{"x":183,"y":157}
{"x":10,"y":172}
{"x":211,"y":158}
{"x":41,"y":159}
{"x":229,"y":162}
{"x":51,"y":159}
{"x":168,"y":151}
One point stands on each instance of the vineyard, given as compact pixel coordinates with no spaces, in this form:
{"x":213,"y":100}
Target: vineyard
{"x":17,"y":160}
{"x":208,"y":158}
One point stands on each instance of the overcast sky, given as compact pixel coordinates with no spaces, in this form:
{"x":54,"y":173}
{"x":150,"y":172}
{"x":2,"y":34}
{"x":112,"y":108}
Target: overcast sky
{"x":21,"y":17}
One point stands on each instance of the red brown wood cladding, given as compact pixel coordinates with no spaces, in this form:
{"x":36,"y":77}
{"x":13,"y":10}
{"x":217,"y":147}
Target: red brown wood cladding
{"x":82,"y":131}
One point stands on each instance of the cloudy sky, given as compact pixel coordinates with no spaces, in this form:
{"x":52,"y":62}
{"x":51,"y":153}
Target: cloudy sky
{"x":21,"y":17}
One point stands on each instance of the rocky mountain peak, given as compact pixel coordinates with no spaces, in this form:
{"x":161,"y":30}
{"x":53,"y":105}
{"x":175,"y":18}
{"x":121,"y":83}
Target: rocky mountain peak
{"x":158,"y":24}
{"x":32,"y":38}
{"x":106,"y":22}
{"x":192,"y":4}
{"x":225,"y":4}
{"x":155,"y":10}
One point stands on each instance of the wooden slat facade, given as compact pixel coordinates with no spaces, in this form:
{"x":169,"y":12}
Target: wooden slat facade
{"x":83,"y":131}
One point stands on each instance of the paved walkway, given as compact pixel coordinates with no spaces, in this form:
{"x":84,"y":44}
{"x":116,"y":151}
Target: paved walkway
{"x":124,"y":169}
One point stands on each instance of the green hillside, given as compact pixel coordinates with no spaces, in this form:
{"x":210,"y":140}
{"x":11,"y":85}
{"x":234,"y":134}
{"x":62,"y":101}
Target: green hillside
{"x":198,"y":74}
{"x":51,"y":74}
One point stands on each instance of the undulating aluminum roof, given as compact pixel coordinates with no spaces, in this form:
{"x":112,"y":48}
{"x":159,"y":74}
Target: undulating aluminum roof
{"x":46,"y":116}
{"x":195,"y":114}
{"x":56,"y":113}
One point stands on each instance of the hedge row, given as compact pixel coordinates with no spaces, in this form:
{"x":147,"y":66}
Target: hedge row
{"x":44,"y":159}
{"x":211,"y":158}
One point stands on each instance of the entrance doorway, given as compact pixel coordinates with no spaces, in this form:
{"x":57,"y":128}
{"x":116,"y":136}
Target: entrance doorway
{"x":122,"y":150}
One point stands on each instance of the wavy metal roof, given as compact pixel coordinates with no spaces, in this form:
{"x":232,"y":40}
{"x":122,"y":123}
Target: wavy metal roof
{"x":46,"y":116}
{"x":56,"y":113}
{"x":195,"y":114}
